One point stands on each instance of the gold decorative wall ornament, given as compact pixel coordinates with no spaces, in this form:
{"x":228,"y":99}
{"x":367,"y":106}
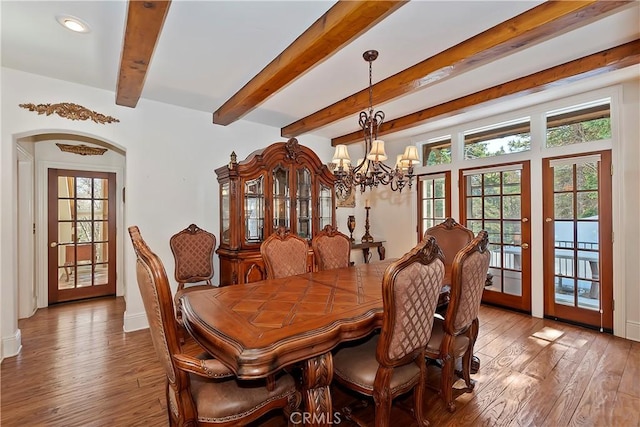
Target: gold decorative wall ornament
{"x":71,"y":111}
{"x":83,"y":150}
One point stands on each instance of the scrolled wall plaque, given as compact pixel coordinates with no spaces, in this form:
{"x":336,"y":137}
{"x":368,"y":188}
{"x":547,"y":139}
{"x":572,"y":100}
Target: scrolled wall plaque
{"x":71,"y":111}
{"x":83,"y":150}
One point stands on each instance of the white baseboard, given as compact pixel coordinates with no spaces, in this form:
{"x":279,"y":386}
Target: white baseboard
{"x":633,"y":330}
{"x":135,"y":321}
{"x":11,"y":346}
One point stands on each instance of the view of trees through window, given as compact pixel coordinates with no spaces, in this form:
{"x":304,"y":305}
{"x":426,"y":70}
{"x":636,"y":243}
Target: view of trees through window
{"x":437,"y":152}
{"x":583,"y":123}
{"x":576,"y":124}
{"x":91,"y":207}
{"x":497,"y":140}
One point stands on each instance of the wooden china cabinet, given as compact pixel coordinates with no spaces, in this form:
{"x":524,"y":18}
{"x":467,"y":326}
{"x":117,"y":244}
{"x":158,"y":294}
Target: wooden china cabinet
{"x":284,"y":184}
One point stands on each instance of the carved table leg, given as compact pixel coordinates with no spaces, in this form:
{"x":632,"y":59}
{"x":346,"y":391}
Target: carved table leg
{"x":366,"y":254}
{"x":381,"y":252}
{"x":316,"y":378}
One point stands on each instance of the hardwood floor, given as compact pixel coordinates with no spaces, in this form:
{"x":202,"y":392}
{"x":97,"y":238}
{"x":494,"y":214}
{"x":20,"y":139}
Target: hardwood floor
{"x":78,"y":368}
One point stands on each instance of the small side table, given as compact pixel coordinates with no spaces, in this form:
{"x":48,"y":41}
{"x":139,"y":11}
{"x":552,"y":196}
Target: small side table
{"x":365,"y":246}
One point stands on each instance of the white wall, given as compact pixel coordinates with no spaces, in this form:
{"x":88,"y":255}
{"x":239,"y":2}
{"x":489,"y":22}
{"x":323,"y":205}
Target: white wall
{"x":629,"y":204}
{"x":171,"y":154}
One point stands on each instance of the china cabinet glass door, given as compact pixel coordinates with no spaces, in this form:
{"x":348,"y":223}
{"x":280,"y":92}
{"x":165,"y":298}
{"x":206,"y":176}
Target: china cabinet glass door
{"x":254,"y":210}
{"x":224,"y":212}
{"x":325,"y":215}
{"x":281,"y":198}
{"x":303,"y":208}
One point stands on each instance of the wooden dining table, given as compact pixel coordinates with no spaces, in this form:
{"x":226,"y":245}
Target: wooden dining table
{"x":259,"y":328}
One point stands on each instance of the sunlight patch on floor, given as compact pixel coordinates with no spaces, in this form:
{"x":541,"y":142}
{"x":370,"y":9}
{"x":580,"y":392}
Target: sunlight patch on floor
{"x":548,"y":334}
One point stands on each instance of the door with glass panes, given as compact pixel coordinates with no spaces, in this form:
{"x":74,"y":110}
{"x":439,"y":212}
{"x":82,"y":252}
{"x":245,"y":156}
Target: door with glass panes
{"x":81,"y":234}
{"x":578,"y":239}
{"x":497,"y":199}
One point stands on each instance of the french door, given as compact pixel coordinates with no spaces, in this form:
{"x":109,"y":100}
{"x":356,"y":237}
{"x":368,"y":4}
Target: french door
{"x":81,"y":235}
{"x":578,"y":241}
{"x":497,"y":199}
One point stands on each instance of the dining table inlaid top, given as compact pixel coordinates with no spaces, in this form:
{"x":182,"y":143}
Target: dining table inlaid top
{"x":258,"y":328}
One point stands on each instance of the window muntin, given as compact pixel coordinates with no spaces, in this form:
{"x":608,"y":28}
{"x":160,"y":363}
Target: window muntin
{"x":579,"y":123}
{"x":499,"y":139}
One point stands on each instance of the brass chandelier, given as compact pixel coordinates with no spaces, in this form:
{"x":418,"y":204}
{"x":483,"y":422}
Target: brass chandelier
{"x":371,"y":171}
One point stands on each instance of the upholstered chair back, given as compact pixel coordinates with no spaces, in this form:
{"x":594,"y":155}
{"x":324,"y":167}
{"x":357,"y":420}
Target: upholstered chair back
{"x":158,"y":304}
{"x":410,"y":290}
{"x":193,"y":250}
{"x":451,"y":238}
{"x":284,"y":254}
{"x":470,"y":267}
{"x":331,"y":249}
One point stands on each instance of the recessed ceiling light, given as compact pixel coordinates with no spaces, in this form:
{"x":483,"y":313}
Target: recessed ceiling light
{"x":72,"y":23}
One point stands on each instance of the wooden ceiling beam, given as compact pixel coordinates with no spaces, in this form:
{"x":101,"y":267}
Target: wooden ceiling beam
{"x":607,"y":60}
{"x":144,"y":24}
{"x":533,"y":26}
{"x":338,"y":26}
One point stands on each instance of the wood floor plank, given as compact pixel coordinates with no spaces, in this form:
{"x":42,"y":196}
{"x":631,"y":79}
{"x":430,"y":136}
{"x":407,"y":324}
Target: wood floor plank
{"x":626,"y":410}
{"x":78,"y":368}
{"x":544,"y":396}
{"x":630,"y":382}
{"x":545,"y":361}
{"x":600,"y":394}
{"x":566,"y":404}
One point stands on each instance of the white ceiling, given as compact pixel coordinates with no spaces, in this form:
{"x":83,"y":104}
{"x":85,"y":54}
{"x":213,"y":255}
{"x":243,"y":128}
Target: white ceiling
{"x":209,"y":49}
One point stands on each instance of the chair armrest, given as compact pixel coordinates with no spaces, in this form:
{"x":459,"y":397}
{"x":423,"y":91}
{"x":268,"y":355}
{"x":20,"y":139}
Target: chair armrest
{"x":209,"y":368}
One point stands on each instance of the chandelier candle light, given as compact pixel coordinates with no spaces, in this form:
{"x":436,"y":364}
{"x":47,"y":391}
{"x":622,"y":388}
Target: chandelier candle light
{"x":372,"y":171}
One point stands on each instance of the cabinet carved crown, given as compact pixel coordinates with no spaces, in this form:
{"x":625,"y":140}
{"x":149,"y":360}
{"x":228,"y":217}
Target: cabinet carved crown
{"x":284,"y":184}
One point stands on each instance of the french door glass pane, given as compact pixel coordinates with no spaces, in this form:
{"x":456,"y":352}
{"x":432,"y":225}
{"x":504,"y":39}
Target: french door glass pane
{"x":494,"y":204}
{"x":82,"y":221}
{"x":576,"y":237}
{"x":83,"y":188}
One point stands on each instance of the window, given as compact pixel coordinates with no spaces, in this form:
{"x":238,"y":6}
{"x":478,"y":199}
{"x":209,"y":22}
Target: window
{"x":437,"y":151}
{"x":503,"y":138}
{"x":579,"y":123}
{"x":435,"y":199}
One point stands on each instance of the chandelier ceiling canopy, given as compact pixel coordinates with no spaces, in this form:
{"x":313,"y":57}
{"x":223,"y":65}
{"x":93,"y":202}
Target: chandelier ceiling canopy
{"x":371,"y":171}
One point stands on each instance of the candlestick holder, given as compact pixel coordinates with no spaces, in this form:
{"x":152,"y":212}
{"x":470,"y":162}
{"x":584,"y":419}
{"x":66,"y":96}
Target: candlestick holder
{"x":367,"y":237}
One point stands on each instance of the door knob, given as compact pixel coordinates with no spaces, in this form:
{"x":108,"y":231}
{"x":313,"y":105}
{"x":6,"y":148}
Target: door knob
{"x":524,"y":246}
{"x":525,"y":219}
{"x":548,"y":220}
{"x":53,"y":244}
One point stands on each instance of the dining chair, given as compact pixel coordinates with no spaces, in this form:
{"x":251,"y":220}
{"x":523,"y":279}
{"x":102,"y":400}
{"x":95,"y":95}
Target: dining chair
{"x":455,"y":335}
{"x":192,"y":250}
{"x":392,"y":362}
{"x":200,"y":390}
{"x":284,"y":254}
{"x":451,"y":237}
{"x":331,"y":248}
